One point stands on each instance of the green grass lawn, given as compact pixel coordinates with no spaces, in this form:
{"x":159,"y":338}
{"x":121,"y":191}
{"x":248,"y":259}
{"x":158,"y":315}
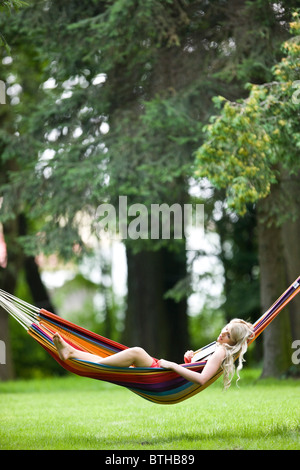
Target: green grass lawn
{"x":78,"y":413}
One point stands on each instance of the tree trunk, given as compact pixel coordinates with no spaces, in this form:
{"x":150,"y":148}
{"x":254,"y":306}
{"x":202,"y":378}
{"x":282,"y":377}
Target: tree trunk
{"x":8,"y":280}
{"x":16,"y":261}
{"x":290,"y":232}
{"x":6,"y":363}
{"x":277,"y":336}
{"x":173,"y":337}
{"x":290,"y":236}
{"x":38,"y":291}
{"x":159,"y":325}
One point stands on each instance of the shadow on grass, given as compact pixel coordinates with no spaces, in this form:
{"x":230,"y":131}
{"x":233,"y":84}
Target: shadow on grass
{"x":215,"y":439}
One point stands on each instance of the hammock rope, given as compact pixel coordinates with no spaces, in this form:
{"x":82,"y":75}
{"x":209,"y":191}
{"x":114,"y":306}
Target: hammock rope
{"x":155,"y":384}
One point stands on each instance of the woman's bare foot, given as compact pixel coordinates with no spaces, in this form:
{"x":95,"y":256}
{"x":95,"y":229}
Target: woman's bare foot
{"x":64,"y":349}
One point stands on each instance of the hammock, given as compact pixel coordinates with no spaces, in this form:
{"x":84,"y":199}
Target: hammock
{"x":155,"y":384}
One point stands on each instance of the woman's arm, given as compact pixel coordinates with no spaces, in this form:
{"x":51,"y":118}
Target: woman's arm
{"x":211,"y":368}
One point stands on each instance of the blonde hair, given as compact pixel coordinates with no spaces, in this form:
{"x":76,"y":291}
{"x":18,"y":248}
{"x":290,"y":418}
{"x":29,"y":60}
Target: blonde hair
{"x":240,"y":333}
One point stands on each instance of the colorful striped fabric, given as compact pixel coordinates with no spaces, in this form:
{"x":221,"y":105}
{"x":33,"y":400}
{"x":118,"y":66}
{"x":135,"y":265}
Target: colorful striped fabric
{"x":155,"y":384}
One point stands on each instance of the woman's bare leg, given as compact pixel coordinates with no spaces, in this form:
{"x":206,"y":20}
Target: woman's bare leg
{"x":132,"y":356}
{"x":65,"y":351}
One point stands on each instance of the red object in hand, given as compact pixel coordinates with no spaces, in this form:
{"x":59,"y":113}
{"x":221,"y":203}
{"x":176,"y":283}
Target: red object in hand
{"x":188,"y":356}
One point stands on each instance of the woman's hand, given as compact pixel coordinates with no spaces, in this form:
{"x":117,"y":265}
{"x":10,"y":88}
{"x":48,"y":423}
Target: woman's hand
{"x":210,"y":369}
{"x":188,"y":356}
{"x":166,"y":364}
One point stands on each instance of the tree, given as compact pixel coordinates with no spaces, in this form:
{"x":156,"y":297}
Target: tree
{"x":144,"y":71}
{"x":14,"y":224}
{"x":7,"y":6}
{"x":251,"y":149}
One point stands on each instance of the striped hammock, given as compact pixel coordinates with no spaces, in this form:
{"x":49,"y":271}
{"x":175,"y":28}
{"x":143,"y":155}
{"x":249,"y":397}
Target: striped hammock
{"x":155,"y":384}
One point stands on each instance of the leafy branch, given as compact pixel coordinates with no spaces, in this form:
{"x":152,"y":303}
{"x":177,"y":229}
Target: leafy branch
{"x":7,"y":6}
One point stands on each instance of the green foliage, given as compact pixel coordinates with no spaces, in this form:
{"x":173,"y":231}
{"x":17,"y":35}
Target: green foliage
{"x":116,"y":78}
{"x":7,"y":6}
{"x":67,"y":164}
{"x":250,"y":140}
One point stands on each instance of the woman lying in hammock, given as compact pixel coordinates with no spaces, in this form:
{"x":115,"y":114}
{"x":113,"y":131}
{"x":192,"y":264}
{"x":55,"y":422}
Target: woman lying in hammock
{"x":232,"y":340}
